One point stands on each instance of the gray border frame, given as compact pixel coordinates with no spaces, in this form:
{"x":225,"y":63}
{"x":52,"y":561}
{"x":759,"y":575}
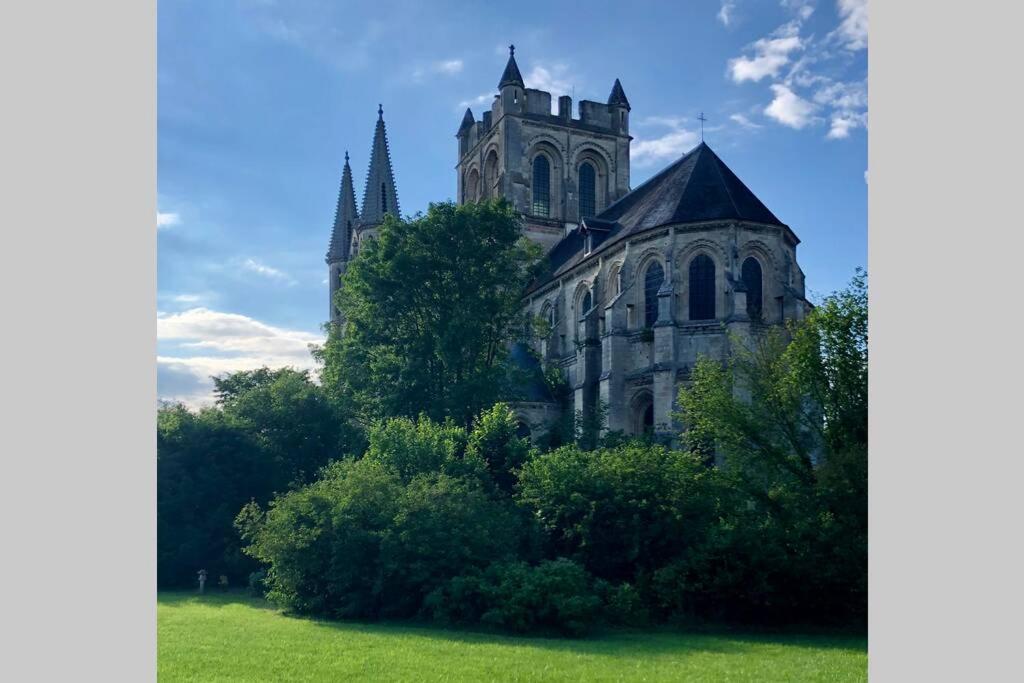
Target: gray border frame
{"x":78,"y":163}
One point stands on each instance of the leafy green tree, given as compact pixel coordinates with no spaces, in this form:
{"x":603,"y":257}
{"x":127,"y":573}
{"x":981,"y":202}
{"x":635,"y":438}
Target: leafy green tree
{"x":788,"y":415}
{"x":422,"y":446}
{"x":291,"y":417}
{"x":207,"y":469}
{"x":430,"y":309}
{"x":494,"y":441}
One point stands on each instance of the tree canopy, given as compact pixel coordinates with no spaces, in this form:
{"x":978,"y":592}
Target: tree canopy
{"x":430,"y":307}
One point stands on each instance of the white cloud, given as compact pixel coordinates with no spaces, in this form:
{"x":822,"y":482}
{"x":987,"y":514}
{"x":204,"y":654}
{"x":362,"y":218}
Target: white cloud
{"x":802,"y":8}
{"x":554,"y":80}
{"x":671,"y":145}
{"x":166,"y":220}
{"x":448,"y":66}
{"x":229,"y":342}
{"x":790,"y":109}
{"x":853,"y":29}
{"x":254,"y":266}
{"x":770,"y":55}
{"x":744,"y":122}
{"x":479,"y":99}
{"x":848,"y":102}
{"x":725,"y":13}
{"x":865,"y":176}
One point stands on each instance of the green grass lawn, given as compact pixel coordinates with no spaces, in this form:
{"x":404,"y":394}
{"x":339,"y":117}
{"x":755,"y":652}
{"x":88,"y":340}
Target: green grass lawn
{"x":231,"y":637}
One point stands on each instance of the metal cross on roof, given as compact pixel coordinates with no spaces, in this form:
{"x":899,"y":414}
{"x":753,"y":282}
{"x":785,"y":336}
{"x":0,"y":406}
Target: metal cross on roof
{"x":702,"y":119}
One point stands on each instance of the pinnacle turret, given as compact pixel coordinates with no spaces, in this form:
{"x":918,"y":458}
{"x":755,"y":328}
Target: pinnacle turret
{"x":380,"y":195}
{"x":511,"y":75}
{"x":346,"y":217}
{"x":618,"y":96}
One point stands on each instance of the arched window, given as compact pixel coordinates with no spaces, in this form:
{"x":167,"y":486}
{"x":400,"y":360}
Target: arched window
{"x":472,"y":187}
{"x":702,"y":288}
{"x":541,"y":186}
{"x":490,"y":174}
{"x":586,"y":303}
{"x":751,"y":274}
{"x":614,"y":282}
{"x":383,"y":198}
{"x":653,"y":278}
{"x":643,"y":414}
{"x":588,"y":190}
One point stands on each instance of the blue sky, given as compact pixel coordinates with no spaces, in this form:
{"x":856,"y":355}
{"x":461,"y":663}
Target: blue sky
{"x":259,"y":100}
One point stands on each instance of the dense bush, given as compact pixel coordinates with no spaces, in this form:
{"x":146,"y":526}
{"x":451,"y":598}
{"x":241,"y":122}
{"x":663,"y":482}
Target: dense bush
{"x":360,"y":542}
{"x":621,"y":512}
{"x":555,"y":595}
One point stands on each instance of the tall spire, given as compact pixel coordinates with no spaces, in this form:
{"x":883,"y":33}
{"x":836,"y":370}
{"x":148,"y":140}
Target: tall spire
{"x":380,"y":195}
{"x":511,"y":75}
{"x":346,"y":216}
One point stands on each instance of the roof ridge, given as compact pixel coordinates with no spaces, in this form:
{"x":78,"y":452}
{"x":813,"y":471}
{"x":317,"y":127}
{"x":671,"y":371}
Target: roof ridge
{"x":718,"y":170}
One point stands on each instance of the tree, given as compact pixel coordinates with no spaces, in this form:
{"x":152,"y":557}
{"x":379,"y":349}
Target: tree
{"x":788,"y":415}
{"x":207,"y":469}
{"x":293,"y":419}
{"x":430,"y":309}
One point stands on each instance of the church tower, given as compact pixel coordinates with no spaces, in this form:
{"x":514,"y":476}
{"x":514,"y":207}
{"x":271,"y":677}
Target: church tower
{"x":379,"y":196}
{"x":346,"y":218}
{"x":553,"y":168}
{"x":352,"y":226}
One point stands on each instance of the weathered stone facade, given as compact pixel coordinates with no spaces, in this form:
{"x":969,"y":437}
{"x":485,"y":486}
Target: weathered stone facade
{"x":497,"y":154}
{"x":622,"y":338}
{"x":640,"y":282}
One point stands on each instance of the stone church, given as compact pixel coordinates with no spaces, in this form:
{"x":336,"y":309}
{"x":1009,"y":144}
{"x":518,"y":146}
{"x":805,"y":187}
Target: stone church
{"x":639,"y":282}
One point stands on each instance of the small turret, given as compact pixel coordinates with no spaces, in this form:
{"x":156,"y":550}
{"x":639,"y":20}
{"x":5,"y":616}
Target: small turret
{"x":619,"y":108}
{"x":511,"y":85}
{"x":464,"y":132}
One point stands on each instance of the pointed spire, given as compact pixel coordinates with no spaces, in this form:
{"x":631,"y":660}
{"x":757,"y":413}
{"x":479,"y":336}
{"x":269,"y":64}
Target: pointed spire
{"x":467,"y":121}
{"x":511,"y":75}
{"x":380,"y":195}
{"x":617,"y":97}
{"x":345,"y":218}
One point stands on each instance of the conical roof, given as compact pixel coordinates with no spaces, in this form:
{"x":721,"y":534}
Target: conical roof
{"x":380,"y":195}
{"x":511,"y":75}
{"x":467,"y":121}
{"x":698,"y":187}
{"x":618,"y":96}
{"x":346,"y":216}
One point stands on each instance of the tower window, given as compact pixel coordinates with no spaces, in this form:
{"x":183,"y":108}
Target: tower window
{"x":653,"y":278}
{"x":751,"y":274}
{"x":702,"y":288}
{"x":383,"y":197}
{"x":588,"y":190}
{"x":541,"y":186}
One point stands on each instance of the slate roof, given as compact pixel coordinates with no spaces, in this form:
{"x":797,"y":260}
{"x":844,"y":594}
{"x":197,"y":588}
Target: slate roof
{"x":467,"y":121}
{"x":511,"y":75}
{"x":697,"y":188}
{"x":618,"y":96}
